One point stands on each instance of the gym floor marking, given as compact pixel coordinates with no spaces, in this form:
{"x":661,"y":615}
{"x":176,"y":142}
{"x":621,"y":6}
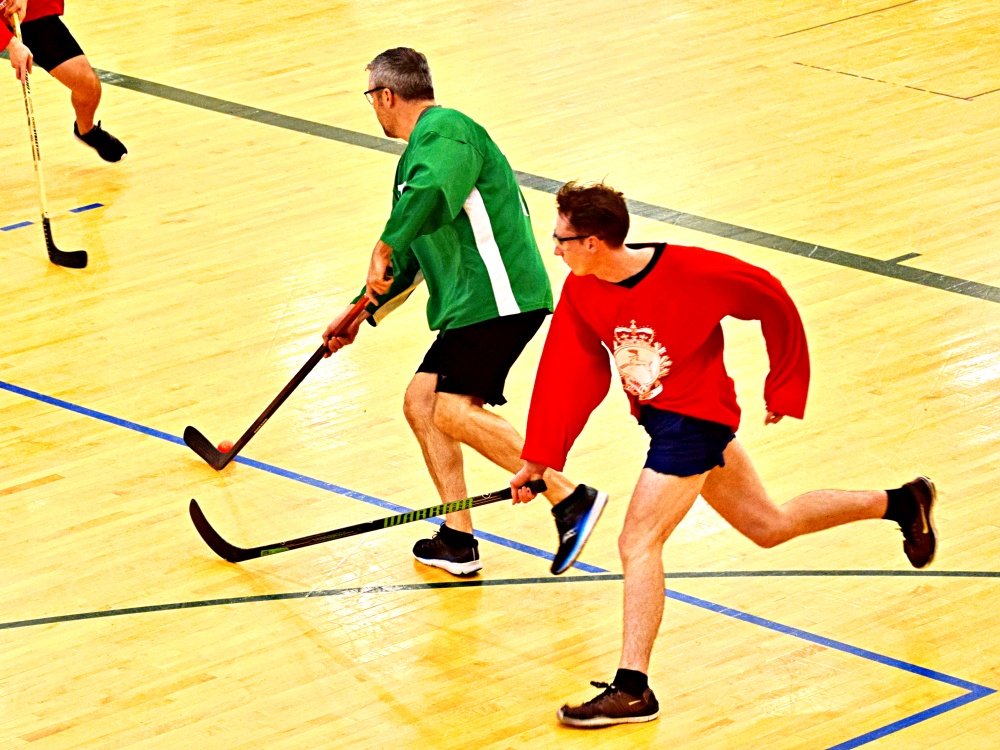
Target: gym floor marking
{"x":849,"y":18}
{"x":973,"y":691}
{"x":890,"y":83}
{"x":79,"y":210}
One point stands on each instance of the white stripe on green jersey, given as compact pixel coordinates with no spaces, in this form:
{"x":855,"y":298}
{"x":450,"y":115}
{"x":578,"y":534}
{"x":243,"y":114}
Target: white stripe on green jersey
{"x":486,"y":243}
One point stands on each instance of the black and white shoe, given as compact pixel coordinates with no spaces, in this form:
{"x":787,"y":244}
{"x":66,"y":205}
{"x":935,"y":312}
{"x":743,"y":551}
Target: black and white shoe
{"x":454,"y":551}
{"x":613,"y":706}
{"x":106,"y":145}
{"x":576,"y":517}
{"x":920,"y":535}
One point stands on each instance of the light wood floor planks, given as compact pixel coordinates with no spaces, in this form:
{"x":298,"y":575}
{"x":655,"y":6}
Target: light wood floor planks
{"x":223,"y":247}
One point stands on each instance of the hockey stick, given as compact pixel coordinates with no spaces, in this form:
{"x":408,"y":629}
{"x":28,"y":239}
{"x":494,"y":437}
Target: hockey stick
{"x":233,"y":554}
{"x":219,"y":460}
{"x":73,"y":258}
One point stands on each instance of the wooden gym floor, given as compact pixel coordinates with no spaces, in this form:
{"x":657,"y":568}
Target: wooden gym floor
{"x":849,"y":146}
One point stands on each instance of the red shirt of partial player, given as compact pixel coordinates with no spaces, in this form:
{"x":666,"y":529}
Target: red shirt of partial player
{"x":36,"y":9}
{"x":665,"y":338}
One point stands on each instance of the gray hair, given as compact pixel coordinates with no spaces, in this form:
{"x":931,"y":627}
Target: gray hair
{"x":404,"y":71}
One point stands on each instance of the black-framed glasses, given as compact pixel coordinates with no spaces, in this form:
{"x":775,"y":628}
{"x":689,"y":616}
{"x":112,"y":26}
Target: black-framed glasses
{"x":369,"y":92}
{"x":560,"y":240}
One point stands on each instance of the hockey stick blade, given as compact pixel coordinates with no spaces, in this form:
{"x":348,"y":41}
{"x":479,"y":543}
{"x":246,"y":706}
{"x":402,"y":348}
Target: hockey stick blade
{"x":219,"y":546}
{"x":232,"y":553}
{"x":204,"y":448}
{"x":66,"y":259}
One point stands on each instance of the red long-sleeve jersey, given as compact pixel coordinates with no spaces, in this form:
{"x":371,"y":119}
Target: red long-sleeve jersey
{"x":36,"y":9}
{"x":665,"y":339}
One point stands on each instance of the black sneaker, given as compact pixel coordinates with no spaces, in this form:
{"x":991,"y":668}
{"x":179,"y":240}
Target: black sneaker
{"x":450,"y":550}
{"x":106,"y":145}
{"x":576,"y":517}
{"x":613,"y":706}
{"x":919,"y":535}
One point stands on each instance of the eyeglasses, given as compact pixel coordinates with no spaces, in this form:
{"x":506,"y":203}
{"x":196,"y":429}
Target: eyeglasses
{"x":369,"y":92}
{"x":560,"y":240}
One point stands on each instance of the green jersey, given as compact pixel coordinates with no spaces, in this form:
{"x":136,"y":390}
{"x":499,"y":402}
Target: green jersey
{"x":460,"y":223}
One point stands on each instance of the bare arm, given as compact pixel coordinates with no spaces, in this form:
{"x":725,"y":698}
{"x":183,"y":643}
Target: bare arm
{"x":20,"y":58}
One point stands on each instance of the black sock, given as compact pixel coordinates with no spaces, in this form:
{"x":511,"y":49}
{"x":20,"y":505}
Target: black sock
{"x":455,"y":538}
{"x":631,"y":682}
{"x":901,"y":507}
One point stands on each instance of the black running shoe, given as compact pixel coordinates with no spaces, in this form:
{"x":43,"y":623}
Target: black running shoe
{"x":576,"y":517}
{"x":106,"y":145}
{"x":449,"y":550}
{"x":613,"y":706}
{"x":919,"y":535}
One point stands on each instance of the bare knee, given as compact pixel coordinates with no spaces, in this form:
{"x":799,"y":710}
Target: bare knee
{"x":86,"y":88}
{"x":418,"y":407}
{"x":767,"y":532}
{"x":451,"y":413}
{"x":634,"y":546}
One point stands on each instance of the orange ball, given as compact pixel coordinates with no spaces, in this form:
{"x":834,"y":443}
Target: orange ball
{"x":225,"y":446}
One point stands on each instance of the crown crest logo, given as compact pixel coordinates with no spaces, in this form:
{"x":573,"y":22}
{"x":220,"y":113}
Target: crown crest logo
{"x":642,"y":363}
{"x":635,"y":336}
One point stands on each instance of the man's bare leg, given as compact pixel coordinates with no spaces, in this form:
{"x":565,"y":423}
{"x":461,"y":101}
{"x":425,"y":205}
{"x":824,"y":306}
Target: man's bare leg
{"x":85,"y":87}
{"x":79,"y":77}
{"x":464,"y":419}
{"x":738,"y":495}
{"x":442,"y":453}
{"x":658,"y":504}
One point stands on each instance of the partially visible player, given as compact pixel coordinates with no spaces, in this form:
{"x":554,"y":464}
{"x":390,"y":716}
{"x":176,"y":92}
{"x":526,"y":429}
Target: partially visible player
{"x":460,"y":223}
{"x":657,"y":308}
{"x":48,"y":43}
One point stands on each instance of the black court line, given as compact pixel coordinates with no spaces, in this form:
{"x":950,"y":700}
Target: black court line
{"x":849,"y":18}
{"x":976,"y":96}
{"x":547,"y":185}
{"x":391,"y":588}
{"x":887,"y":83}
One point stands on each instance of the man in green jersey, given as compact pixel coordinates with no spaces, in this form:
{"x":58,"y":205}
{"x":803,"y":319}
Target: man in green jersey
{"x":460,"y":224}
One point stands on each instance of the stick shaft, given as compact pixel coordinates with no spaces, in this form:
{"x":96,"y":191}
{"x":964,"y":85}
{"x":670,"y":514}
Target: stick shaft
{"x":294,"y":383}
{"x":390,"y":521}
{"x":36,"y":152}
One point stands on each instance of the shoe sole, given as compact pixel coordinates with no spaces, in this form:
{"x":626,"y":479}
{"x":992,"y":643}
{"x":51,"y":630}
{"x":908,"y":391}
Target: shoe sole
{"x":595,"y":515}
{"x":456,"y":569}
{"x":930,"y":520}
{"x":120,"y":159}
{"x":604,"y":721}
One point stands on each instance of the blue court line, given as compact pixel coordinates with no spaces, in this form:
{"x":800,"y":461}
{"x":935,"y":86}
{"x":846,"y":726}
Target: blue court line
{"x":278,"y":471}
{"x":88,"y":207}
{"x":79,"y":210}
{"x":975,"y":692}
{"x":9,"y":227}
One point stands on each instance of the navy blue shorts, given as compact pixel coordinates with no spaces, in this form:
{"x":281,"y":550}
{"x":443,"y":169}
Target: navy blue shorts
{"x":683,"y":446}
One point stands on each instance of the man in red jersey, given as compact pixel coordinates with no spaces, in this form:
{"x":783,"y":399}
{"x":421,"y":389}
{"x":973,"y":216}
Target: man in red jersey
{"x":48,"y":42}
{"x":657,"y":309}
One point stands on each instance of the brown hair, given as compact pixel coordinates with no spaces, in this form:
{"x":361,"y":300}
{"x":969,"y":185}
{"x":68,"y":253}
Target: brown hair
{"x":405,"y":72}
{"x":595,"y":210}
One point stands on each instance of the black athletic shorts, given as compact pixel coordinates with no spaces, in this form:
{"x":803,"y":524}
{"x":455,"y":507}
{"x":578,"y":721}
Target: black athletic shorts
{"x":50,"y":42}
{"x":474,"y":360}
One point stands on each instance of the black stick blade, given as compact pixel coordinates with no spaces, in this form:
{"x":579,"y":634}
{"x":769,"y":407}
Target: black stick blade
{"x":219,"y":546}
{"x":70,"y":259}
{"x":204,"y":448}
